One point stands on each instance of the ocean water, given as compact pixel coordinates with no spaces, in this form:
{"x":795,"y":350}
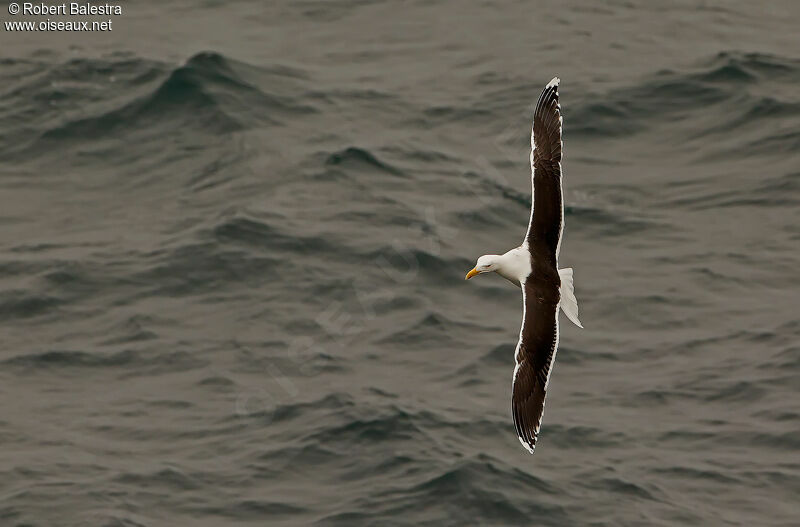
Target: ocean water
{"x":233,"y":239}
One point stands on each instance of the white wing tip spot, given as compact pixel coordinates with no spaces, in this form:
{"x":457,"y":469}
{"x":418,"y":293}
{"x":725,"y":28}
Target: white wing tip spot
{"x":553,"y":82}
{"x":526,"y":445}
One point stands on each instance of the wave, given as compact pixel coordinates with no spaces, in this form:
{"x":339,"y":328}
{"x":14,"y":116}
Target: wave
{"x":607,"y":223}
{"x":771,"y":190}
{"x":732,"y":91}
{"x":432,"y":329}
{"x":62,"y":359}
{"x":198,"y":268}
{"x":170,"y":479}
{"x":143,"y":363}
{"x":239,"y":229}
{"x":478,"y":487}
{"x":358,"y":428}
{"x":358,"y":159}
{"x":204,"y":95}
{"x":210,"y":94}
{"x":249,"y":509}
{"x":22,"y":304}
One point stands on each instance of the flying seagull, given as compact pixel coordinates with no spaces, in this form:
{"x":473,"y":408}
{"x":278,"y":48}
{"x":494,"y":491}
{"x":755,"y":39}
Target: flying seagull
{"x":533,"y":266}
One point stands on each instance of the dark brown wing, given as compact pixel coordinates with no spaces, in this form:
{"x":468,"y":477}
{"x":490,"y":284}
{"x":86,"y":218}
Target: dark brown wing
{"x":535,"y":353}
{"x":547,"y":205}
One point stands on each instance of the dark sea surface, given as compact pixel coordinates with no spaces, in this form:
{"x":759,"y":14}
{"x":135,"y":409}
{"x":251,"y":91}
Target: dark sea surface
{"x":233,"y":240}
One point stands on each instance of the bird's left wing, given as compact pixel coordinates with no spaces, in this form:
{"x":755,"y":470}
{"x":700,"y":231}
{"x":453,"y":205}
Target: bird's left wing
{"x":547,"y":205}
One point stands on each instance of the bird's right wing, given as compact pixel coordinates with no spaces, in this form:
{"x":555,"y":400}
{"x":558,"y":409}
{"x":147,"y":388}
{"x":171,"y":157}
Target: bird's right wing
{"x":535,"y":355}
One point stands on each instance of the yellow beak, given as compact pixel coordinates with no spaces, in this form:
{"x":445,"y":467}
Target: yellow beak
{"x":471,"y":274}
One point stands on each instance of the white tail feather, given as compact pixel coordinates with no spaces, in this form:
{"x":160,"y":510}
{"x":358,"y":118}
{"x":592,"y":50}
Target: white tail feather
{"x":569,"y":304}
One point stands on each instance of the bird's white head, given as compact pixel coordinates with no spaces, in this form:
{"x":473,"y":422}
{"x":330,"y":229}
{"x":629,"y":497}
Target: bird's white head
{"x":485,"y":264}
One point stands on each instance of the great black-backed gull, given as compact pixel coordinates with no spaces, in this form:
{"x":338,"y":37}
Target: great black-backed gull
{"x":533,"y":266}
